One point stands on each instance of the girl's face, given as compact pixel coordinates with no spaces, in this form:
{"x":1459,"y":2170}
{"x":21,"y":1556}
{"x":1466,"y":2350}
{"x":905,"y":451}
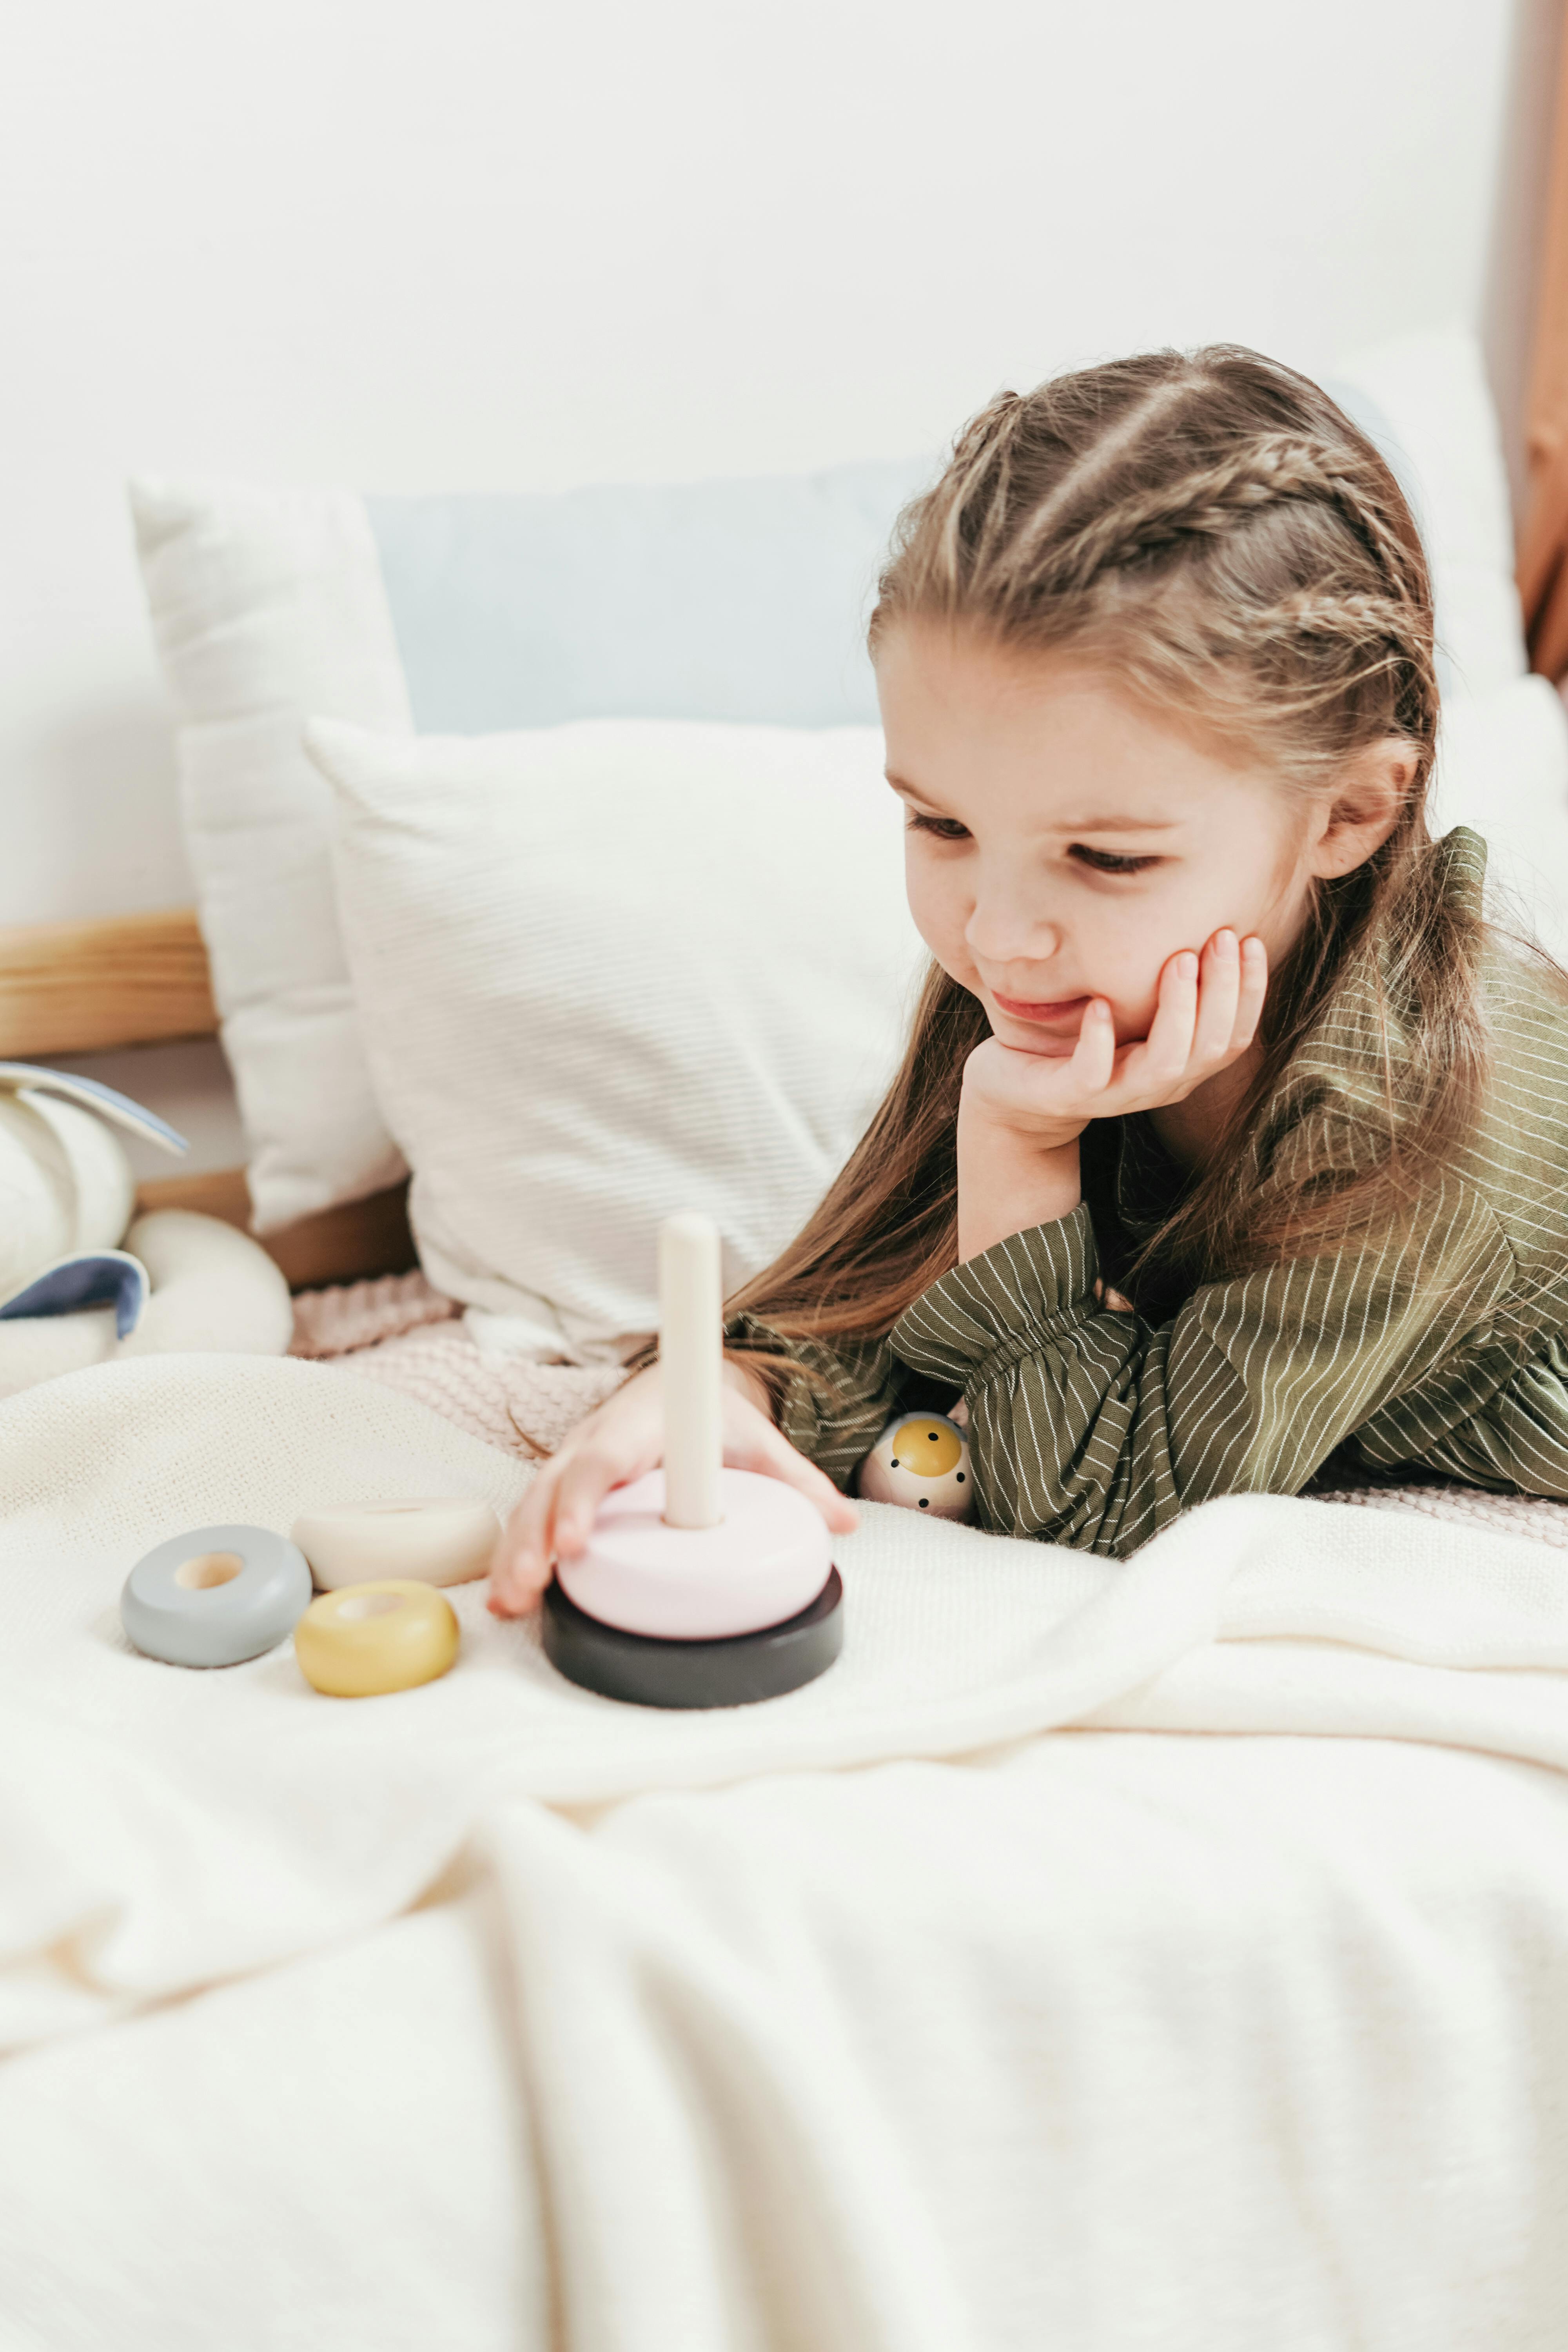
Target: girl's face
{"x":1060,"y":844}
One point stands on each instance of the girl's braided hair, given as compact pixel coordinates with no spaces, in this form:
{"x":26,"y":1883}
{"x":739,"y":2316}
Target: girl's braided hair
{"x":1216,"y":533}
{"x":1214,"y":527}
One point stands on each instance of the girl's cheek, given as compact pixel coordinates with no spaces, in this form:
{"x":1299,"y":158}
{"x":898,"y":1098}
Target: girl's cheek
{"x":1134,"y":997}
{"x":926,"y":910}
{"x":1115,"y":965}
{"x":1134,"y":1022}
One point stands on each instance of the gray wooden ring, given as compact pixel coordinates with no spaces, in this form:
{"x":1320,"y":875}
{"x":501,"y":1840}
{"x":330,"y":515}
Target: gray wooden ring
{"x":187,"y":1603}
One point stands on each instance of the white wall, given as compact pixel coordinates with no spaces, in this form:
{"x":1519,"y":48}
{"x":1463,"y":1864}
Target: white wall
{"x":495,"y":244}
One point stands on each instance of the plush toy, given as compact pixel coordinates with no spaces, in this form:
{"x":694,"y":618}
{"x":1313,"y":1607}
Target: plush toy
{"x":67,"y":1194}
{"x":79,"y":1281}
{"x":921,"y":1460}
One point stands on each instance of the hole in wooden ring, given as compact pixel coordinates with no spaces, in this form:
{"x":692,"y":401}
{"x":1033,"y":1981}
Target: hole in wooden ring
{"x":207,"y":1569}
{"x":370,"y":1604}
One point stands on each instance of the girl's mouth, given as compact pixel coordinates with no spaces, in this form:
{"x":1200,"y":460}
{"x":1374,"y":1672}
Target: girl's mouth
{"x":1069,"y":1008}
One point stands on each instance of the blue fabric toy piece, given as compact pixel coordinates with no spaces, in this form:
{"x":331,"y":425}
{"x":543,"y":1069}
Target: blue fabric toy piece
{"x":92,"y":1095}
{"x":97,"y":1278}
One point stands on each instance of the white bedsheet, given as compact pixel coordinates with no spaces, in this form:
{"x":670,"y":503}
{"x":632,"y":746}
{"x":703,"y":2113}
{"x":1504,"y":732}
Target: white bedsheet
{"x":889,"y":2016}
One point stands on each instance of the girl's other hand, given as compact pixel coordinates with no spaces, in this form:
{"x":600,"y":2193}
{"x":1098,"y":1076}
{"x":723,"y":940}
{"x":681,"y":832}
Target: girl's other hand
{"x":1205,"y":1017}
{"x":621,"y":1440}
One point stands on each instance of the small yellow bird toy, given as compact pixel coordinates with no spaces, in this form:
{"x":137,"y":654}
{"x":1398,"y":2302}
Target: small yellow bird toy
{"x":920,"y":1460}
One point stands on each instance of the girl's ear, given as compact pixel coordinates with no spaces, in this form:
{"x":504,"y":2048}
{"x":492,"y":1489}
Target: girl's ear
{"x":1363,"y":808}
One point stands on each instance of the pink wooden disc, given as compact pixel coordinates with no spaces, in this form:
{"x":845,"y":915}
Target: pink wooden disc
{"x":767,"y":1558}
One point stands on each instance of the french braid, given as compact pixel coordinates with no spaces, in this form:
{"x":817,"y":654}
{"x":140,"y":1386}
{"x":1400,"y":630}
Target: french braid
{"x":1213,"y":501}
{"x":1256,"y":519}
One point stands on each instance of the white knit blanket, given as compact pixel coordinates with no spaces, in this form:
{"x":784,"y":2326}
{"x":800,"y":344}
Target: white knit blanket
{"x":959,"y":2001}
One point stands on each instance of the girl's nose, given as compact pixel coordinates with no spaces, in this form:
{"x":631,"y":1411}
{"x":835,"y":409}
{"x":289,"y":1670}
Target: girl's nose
{"x":1002,"y":942}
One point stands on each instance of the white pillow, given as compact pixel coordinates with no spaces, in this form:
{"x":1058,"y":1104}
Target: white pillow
{"x":730,"y":600}
{"x":1426,"y":400}
{"x":1503,"y":768}
{"x":610,"y":971}
{"x":269,"y":606}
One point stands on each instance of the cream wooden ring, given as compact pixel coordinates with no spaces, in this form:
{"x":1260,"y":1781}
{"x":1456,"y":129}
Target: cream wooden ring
{"x":435,"y":1540}
{"x":367,"y":1639}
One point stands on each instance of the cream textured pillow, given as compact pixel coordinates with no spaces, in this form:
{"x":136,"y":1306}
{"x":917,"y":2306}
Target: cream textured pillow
{"x":612,"y":969}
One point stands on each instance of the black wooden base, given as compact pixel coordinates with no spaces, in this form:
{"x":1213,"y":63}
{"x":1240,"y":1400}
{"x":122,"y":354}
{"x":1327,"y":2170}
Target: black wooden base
{"x":731,"y":1671}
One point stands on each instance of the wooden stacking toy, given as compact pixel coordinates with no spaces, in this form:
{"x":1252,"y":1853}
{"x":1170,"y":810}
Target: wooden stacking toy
{"x":698,"y":1585}
{"x":368,"y":1639}
{"x":215,"y":1596}
{"x":922,"y":1459}
{"x":433,"y":1539}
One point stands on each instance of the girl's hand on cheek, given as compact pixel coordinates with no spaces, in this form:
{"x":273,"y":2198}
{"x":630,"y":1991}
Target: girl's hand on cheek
{"x":1205,"y":1016}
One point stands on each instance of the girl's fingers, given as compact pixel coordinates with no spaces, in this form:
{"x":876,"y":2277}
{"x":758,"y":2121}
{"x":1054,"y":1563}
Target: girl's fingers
{"x":793,"y":1468}
{"x":585,"y":1480}
{"x":752,"y":1442}
{"x":1168,"y":1047}
{"x":1207,"y":1014}
{"x":1252,"y":989}
{"x":1219,"y":992}
{"x":526,"y":1523}
{"x":521,"y":1568}
{"x":1094,"y":1055}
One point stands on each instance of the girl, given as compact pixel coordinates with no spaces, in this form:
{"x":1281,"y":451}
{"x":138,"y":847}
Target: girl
{"x":1229,"y":1134}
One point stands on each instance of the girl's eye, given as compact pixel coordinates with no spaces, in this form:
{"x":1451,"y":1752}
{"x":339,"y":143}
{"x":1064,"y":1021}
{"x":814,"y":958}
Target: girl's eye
{"x":1104,"y":861}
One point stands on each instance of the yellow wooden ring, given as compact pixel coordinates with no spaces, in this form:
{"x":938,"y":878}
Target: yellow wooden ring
{"x":365,"y":1638}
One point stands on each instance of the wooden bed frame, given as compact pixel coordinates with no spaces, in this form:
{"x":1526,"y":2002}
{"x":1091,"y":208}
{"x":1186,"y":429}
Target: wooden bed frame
{"x":1543,"y":540}
{"x":141,"y":979}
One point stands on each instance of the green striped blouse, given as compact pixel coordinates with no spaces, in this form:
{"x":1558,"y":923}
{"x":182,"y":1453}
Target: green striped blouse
{"x":1094,"y":1427}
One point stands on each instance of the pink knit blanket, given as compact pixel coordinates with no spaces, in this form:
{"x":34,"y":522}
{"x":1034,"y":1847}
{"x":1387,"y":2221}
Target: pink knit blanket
{"x":408,"y":1336}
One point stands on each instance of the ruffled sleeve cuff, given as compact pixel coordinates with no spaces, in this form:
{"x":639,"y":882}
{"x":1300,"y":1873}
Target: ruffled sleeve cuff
{"x":834,"y":1421}
{"x":799,"y":1404}
{"x":1020,"y":1294}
